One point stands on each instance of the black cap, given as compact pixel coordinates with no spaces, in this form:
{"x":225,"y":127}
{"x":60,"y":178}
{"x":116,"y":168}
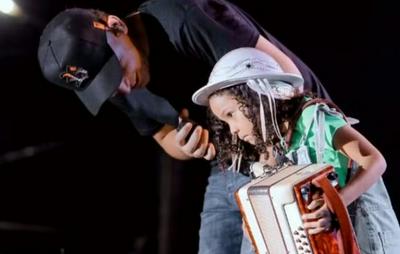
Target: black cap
{"x":74,"y":53}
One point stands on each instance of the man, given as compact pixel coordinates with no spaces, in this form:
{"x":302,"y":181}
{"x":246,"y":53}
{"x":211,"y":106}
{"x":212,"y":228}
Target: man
{"x":169,"y":47}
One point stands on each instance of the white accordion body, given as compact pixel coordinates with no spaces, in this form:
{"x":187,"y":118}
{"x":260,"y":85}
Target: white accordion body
{"x":271,"y":212}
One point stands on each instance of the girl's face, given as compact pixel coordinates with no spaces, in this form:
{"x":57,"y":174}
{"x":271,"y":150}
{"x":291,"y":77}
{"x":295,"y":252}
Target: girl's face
{"x":226,"y":108}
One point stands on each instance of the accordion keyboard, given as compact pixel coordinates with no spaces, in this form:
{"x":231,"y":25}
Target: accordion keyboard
{"x":299,"y":235}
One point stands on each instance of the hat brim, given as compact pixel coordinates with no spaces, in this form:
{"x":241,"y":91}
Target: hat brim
{"x":201,"y":96}
{"x":102,"y":86}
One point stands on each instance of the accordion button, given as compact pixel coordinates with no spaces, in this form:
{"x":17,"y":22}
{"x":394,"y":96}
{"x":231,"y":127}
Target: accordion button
{"x":296,"y":232}
{"x":303,"y":236}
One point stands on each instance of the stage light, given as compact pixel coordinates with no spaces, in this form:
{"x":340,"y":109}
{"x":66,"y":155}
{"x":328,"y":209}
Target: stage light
{"x":8,"y":7}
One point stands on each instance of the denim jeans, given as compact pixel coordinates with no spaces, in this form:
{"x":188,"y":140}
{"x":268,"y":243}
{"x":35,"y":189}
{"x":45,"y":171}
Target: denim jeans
{"x":375,"y":222}
{"x":221,"y":224}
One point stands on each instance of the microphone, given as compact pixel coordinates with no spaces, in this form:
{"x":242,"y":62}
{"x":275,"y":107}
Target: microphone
{"x":256,"y":169}
{"x":253,"y":169}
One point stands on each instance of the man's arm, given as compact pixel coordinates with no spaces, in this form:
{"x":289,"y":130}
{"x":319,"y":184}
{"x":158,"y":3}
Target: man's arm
{"x":165,"y":137}
{"x":283,"y":60}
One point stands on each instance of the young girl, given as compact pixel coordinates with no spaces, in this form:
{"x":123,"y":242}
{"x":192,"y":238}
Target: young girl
{"x":256,"y":113}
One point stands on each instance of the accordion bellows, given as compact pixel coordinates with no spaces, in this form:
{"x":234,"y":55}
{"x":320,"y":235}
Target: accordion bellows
{"x":272,"y":206}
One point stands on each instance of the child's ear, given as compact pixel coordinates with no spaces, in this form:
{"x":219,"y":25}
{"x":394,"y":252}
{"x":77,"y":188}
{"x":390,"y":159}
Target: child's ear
{"x":116,"y":25}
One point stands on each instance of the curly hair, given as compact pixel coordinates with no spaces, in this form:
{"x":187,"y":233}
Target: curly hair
{"x":249,"y":104}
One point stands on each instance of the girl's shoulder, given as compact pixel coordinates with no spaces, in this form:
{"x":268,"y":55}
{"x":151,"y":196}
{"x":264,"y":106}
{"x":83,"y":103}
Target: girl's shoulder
{"x":312,"y":106}
{"x":312,"y":110}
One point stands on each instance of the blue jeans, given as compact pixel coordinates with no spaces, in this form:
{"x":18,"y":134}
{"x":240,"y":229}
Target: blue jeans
{"x":221,"y":224}
{"x":375,"y":222}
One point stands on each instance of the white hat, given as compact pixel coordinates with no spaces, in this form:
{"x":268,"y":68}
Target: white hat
{"x":241,"y":65}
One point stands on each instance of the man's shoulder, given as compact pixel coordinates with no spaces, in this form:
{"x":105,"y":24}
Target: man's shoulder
{"x":158,"y":7}
{"x":171,"y":14}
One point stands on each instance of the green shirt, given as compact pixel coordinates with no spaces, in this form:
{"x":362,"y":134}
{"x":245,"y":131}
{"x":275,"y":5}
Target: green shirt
{"x":333,"y":121}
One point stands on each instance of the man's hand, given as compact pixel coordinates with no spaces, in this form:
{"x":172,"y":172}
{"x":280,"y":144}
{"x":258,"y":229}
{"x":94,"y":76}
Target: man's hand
{"x":173,"y":142}
{"x":196,"y":144}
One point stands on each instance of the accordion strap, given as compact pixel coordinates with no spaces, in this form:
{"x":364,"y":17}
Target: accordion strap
{"x":337,"y":206}
{"x":306,"y":104}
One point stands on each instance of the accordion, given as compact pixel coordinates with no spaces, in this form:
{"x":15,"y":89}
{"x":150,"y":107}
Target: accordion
{"x":271,"y":207}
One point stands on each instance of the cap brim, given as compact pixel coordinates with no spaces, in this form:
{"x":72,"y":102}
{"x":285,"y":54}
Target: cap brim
{"x":201,"y":96}
{"x":102,"y":86}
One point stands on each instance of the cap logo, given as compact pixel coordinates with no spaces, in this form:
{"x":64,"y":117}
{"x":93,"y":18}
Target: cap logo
{"x":74,"y":76}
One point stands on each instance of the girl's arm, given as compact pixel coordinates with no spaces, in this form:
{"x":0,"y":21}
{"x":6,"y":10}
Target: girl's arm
{"x":372,"y":165}
{"x":371,"y":162}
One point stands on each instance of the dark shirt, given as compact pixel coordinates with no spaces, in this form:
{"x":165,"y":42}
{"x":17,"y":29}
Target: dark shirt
{"x":187,"y":37}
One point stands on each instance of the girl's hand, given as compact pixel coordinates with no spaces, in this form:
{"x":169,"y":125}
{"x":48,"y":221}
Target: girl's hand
{"x":319,"y":220}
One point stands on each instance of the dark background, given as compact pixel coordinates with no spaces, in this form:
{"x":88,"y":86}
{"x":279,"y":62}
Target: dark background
{"x":71,"y":183}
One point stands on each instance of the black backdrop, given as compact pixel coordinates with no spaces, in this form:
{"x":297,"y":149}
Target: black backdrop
{"x":73,"y":183}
